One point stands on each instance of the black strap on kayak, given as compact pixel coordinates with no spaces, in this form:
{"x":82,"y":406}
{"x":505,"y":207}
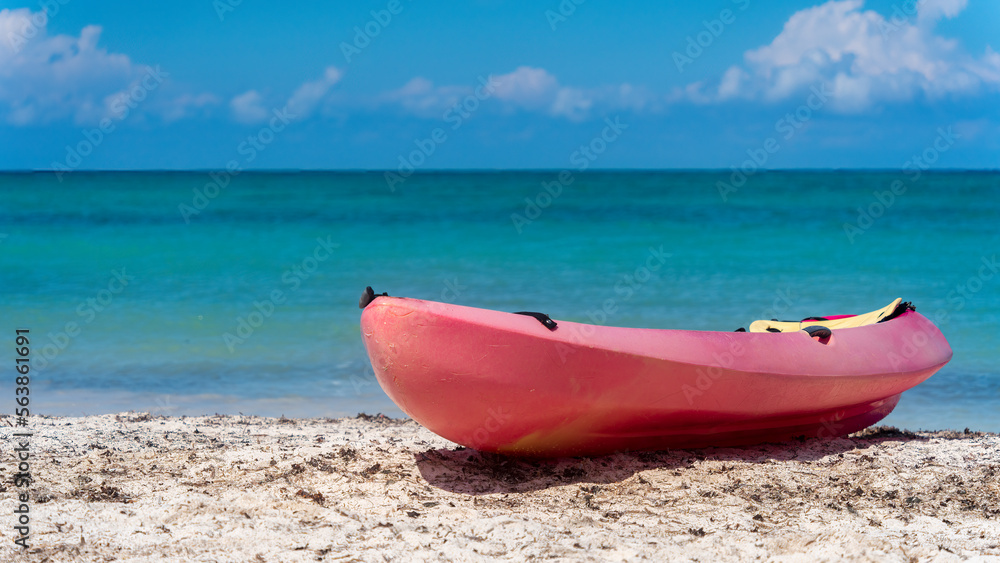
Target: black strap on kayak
{"x":900,"y":309}
{"x":803,"y":320}
{"x":540,"y":317}
{"x":369,"y":295}
{"x":820,"y":331}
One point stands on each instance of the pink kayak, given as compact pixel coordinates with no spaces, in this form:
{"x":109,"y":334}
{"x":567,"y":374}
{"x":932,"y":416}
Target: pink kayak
{"x":523,"y":384}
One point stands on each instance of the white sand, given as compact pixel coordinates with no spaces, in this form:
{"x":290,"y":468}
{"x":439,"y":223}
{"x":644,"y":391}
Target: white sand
{"x":139,"y":488}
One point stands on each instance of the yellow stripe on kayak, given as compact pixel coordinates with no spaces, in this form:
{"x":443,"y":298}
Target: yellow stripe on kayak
{"x":846,"y":322}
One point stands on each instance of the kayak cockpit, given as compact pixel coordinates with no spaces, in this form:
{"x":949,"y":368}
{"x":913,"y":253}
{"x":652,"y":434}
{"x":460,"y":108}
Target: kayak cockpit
{"x":890,"y":311}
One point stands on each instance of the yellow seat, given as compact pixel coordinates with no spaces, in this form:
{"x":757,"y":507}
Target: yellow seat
{"x":846,"y":322}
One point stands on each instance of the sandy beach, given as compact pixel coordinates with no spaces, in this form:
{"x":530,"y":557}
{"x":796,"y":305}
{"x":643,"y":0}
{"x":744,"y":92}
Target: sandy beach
{"x":136,"y":487}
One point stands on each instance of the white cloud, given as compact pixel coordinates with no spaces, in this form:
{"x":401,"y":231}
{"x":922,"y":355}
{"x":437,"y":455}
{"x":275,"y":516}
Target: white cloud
{"x":308,"y":96}
{"x":187,"y":105}
{"x":571,"y":103}
{"x":45,"y":77}
{"x":535,"y":89}
{"x":421,"y":97}
{"x":933,"y":10}
{"x":729,"y":86}
{"x":528,"y":87}
{"x":627,"y":96}
{"x":248,"y":107}
{"x":866,"y":58}
{"x":525,"y":88}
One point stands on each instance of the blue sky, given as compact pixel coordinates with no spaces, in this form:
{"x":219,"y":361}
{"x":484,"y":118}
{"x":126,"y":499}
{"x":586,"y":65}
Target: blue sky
{"x":497,"y":84}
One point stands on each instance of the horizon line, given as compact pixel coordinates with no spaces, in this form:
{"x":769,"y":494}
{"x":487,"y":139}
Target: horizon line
{"x":473,"y":170}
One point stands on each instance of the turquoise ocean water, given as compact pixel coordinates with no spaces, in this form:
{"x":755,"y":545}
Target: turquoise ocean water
{"x":131,"y":282}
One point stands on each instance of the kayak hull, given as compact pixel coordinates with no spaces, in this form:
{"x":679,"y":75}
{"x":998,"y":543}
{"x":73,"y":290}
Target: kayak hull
{"x":504,"y":383}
